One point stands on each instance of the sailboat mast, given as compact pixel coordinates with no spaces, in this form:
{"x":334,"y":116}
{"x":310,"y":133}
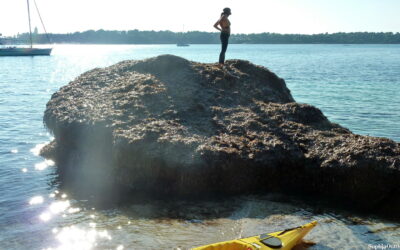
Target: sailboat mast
{"x":29,"y":17}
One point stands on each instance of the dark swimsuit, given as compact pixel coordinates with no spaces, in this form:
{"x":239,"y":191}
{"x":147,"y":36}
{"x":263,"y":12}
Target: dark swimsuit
{"x":224,"y":42}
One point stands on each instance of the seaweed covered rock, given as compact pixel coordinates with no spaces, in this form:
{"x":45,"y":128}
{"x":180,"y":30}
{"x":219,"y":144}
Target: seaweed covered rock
{"x":169,"y":126}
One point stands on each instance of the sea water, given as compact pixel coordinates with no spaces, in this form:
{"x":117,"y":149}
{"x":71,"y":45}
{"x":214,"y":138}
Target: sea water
{"x":357,"y":86}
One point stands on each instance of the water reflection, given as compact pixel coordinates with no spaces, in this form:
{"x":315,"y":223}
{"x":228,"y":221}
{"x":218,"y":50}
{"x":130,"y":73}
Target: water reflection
{"x":43,"y":165}
{"x":73,"y":210}
{"x":36,"y":200}
{"x":59,"y":206}
{"x":45,"y":216}
{"x":185,"y":224}
{"x":73,"y":237}
{"x":173,"y":224}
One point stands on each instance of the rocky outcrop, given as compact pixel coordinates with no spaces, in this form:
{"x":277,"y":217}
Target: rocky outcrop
{"x":169,"y":126}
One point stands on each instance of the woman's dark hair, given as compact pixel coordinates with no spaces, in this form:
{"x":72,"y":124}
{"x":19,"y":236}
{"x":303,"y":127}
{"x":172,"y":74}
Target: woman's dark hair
{"x":226,"y":11}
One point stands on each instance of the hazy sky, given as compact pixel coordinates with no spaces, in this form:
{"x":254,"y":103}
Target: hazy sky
{"x":248,"y":16}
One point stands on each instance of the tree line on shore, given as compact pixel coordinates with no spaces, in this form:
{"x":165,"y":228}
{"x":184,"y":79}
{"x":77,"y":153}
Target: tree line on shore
{"x":198,"y":37}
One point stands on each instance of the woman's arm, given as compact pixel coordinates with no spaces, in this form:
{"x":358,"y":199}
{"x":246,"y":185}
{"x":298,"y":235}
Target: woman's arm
{"x":219,"y":22}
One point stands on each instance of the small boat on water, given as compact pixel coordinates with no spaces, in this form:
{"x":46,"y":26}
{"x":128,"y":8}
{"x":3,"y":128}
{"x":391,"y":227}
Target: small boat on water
{"x":19,"y":51}
{"x":182,"y":39}
{"x":182,"y":44}
{"x":283,"y":240}
{"x":14,"y":51}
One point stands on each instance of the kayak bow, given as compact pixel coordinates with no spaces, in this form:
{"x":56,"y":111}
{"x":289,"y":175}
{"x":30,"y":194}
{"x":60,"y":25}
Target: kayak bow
{"x":283,"y":240}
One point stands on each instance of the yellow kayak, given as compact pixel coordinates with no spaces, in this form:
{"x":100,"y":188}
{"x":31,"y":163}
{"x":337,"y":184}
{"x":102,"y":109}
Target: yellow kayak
{"x":283,"y":240}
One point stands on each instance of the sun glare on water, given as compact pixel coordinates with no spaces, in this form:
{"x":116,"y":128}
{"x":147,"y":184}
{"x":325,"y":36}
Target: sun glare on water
{"x":73,"y":237}
{"x":36,"y":200}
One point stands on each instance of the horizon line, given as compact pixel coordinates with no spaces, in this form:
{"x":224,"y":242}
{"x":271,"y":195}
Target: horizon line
{"x":304,"y":34}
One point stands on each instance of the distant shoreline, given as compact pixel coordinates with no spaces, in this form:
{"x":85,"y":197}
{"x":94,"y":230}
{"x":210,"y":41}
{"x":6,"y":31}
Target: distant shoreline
{"x":174,"y":44}
{"x":197,"y":37}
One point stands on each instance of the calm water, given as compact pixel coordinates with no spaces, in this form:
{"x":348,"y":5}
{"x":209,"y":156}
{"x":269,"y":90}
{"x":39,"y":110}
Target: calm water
{"x":357,"y":86}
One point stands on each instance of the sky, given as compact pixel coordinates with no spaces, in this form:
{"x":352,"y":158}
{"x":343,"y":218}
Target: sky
{"x":248,"y":16}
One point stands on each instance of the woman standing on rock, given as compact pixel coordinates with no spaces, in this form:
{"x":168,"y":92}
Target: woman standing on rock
{"x":224,"y":26}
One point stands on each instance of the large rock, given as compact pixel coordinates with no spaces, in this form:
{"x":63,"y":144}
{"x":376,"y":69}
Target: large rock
{"x":169,"y":126}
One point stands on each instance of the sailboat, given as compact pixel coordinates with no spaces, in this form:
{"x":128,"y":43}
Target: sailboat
{"x":182,"y":43}
{"x":15,"y":51}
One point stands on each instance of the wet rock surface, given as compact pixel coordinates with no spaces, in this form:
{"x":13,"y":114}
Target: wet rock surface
{"x":173,"y":127}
